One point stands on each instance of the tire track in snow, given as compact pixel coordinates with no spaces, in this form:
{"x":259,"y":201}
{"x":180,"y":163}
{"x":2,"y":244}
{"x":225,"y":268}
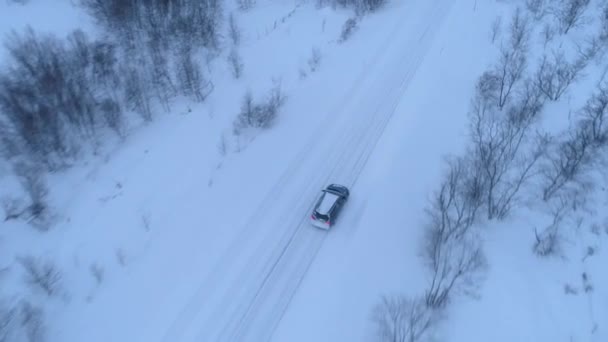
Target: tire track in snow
{"x":182,"y":322}
{"x":300,"y":251}
{"x":250,"y":294}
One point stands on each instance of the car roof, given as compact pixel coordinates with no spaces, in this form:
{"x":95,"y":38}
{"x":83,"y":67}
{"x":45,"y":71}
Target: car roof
{"x":329,"y":198}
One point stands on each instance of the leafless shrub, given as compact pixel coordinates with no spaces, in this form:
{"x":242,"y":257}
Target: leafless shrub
{"x":13,"y":209}
{"x":97,"y":272}
{"x":587,"y":286}
{"x":314,"y":60}
{"x":41,"y":274}
{"x":496,"y":29}
{"x":548,"y":242}
{"x":590,"y":251}
{"x":259,"y":115}
{"x":145,"y":221}
{"x":570,"y":290}
{"x":401,"y":319}
{"x":121,"y":257}
{"x":235,"y":62}
{"x":222,"y":145}
{"x":234,"y":32}
{"x":555,"y":75}
{"x":569,"y":13}
{"x":349,"y":27}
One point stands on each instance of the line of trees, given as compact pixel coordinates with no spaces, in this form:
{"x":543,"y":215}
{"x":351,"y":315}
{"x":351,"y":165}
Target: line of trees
{"x":57,"y":93}
{"x":59,"y":98}
{"x":507,"y":155}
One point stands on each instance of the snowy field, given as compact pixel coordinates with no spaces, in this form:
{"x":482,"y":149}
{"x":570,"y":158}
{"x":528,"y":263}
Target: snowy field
{"x":186,"y":231}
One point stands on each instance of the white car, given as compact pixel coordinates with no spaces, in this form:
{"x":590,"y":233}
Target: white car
{"x":329,"y":205}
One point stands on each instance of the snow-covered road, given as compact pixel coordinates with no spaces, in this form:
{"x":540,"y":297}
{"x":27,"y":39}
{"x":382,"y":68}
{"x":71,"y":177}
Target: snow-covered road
{"x":245,"y":295}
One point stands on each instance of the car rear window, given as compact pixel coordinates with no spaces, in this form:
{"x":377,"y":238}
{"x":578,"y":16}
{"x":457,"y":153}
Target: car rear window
{"x":321,"y":216}
{"x":327,"y":201}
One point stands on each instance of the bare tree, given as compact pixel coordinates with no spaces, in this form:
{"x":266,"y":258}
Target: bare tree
{"x":499,"y":83}
{"x":538,"y":8}
{"x":496,"y":29}
{"x":569,"y":13}
{"x":548,"y":33}
{"x":548,"y":241}
{"x":113,"y":115}
{"x":315,"y":59}
{"x":32,"y":321}
{"x":508,"y":72}
{"x":349,"y":27}
{"x":401,"y":319}
{"x":21,"y":321}
{"x":555,"y":75}
{"x":137,"y":94}
{"x":604,"y":23}
{"x":190,"y":76}
{"x":222,"y":145}
{"x":365,"y":6}
{"x":519,"y":32}
{"x":236,"y":63}
{"x":8,"y":317}
{"x":567,"y":162}
{"x":245,"y":5}
{"x":246,"y":116}
{"x":97,"y":272}
{"x":454,"y":207}
{"x":595,"y":115}
{"x":571,"y":159}
{"x":454,"y":263}
{"x":56,"y":95}
{"x":234,"y":32}
{"x":33,"y":182}
{"x":41,"y":274}
{"x":497,"y":141}
{"x":452,"y":250}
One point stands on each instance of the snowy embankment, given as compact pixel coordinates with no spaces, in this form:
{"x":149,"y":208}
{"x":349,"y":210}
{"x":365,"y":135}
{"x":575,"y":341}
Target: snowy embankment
{"x":158,"y":220}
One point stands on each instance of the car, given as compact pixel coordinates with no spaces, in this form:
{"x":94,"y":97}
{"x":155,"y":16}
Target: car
{"x":328,"y":206}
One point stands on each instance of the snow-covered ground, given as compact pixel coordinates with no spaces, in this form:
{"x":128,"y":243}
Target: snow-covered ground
{"x":166,"y":238}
